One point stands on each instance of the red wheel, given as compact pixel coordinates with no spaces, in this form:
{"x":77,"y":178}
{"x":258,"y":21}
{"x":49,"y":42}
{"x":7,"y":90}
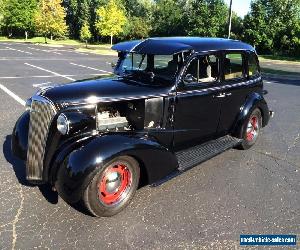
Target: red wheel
{"x":114,"y":184}
{"x":112,"y":187}
{"x":251,"y":129}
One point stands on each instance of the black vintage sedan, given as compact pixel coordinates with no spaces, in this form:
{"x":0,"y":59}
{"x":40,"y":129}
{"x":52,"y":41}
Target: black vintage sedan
{"x":172,"y":104}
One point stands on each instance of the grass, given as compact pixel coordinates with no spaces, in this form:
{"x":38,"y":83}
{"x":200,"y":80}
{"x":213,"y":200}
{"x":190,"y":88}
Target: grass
{"x":101,"y":51}
{"x":66,"y":42}
{"x":280,"y":58}
{"x":42,"y":41}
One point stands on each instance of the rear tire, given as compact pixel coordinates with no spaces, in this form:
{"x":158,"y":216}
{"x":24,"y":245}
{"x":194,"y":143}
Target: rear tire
{"x":251,"y":129}
{"x":112,"y":187}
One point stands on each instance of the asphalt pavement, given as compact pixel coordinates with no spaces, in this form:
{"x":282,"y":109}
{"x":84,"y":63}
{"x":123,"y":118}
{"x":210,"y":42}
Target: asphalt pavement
{"x":238,"y":192}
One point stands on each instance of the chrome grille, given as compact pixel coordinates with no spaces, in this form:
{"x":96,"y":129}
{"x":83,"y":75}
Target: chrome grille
{"x":41,"y":115}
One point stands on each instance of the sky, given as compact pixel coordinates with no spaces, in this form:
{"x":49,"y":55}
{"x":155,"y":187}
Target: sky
{"x":241,"y":7}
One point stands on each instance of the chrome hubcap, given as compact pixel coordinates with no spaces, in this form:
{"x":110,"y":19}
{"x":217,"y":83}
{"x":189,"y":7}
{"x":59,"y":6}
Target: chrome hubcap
{"x":113,"y":182}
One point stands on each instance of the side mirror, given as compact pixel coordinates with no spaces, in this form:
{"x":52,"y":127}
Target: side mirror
{"x":189,"y":78}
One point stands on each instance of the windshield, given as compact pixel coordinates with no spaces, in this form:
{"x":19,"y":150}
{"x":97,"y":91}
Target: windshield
{"x":150,"y":68}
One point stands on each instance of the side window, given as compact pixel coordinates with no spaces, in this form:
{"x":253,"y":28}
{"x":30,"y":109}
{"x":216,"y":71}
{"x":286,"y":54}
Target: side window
{"x":162,"y":61}
{"x":134,"y":62}
{"x":203,"y":69}
{"x":166,"y":65}
{"x":253,"y":65}
{"x":233,"y":66}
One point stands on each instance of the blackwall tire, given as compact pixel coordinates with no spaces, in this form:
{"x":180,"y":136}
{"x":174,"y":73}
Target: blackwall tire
{"x":251,"y":129}
{"x":112,"y":187}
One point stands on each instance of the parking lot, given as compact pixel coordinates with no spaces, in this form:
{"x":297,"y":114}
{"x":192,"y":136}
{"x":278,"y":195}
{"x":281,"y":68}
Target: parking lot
{"x":238,"y":192}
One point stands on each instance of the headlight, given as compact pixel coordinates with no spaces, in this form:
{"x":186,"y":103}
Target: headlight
{"x":63,"y":124}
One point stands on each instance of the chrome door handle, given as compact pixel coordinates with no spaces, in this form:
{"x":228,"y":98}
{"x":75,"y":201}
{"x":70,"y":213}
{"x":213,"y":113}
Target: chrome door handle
{"x":228,"y":94}
{"x":221,"y":95}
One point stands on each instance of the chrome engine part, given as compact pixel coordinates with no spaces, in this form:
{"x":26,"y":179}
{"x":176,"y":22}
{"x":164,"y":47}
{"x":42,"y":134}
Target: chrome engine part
{"x":108,"y":120}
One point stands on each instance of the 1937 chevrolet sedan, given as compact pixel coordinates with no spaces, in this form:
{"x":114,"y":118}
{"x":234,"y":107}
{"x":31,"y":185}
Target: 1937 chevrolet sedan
{"x":173,"y":103}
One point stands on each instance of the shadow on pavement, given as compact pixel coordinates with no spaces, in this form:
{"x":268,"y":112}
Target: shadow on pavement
{"x":20,"y":172}
{"x":282,"y":80}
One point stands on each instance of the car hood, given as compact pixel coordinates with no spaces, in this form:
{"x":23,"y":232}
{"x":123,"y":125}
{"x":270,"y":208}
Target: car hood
{"x":103,"y":90}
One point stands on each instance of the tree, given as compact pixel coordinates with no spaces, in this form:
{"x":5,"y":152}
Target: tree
{"x":50,"y":19}
{"x":18,"y":16}
{"x":111,"y":19}
{"x":236,"y":27}
{"x":78,"y":12}
{"x":256,"y":26}
{"x":168,"y":18}
{"x":206,"y":18}
{"x":273,"y":26}
{"x":1,"y":14}
{"x":136,"y":28}
{"x":85,"y":33}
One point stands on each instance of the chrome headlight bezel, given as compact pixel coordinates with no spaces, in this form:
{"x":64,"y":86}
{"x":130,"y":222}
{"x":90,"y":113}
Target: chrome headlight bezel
{"x":28,"y":104}
{"x":63,"y":124}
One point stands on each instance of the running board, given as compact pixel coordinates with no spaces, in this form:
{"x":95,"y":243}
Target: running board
{"x":191,"y":157}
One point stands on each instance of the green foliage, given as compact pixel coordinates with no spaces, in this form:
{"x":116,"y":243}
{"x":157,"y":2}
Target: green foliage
{"x":168,"y":18}
{"x":1,"y":14}
{"x":207,"y":18}
{"x":18,"y":15}
{"x":273,"y":26}
{"x":136,"y":28}
{"x":78,"y":12}
{"x":85,"y":33}
{"x":111,"y":19}
{"x":50,"y":18}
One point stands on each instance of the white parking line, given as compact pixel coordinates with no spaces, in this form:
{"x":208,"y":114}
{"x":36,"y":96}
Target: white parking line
{"x":13,"y":95}
{"x":47,"y":51}
{"x":29,"y":53}
{"x":41,"y":85}
{"x":82,"y":66}
{"x":9,"y":44}
{"x":49,"y":71}
{"x":50,"y":76}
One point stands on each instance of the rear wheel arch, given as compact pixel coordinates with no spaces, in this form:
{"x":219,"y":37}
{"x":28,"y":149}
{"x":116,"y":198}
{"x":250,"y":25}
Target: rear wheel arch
{"x":253,"y":101}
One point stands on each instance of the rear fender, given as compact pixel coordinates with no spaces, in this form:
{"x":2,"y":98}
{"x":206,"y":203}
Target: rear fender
{"x":253,"y":101}
{"x":79,"y":167}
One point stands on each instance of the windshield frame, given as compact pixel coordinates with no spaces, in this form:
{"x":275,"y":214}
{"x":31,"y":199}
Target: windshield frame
{"x":152,"y":75}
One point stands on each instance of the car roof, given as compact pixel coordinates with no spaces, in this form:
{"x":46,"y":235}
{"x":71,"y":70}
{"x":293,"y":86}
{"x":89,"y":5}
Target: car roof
{"x":173,"y":45}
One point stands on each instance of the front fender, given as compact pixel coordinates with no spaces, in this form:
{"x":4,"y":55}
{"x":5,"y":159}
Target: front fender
{"x":254,"y":100}
{"x":79,"y":167}
{"x":20,"y":136}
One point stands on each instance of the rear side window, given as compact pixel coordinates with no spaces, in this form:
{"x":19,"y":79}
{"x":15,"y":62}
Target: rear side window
{"x":253,"y":65}
{"x":233,"y":66}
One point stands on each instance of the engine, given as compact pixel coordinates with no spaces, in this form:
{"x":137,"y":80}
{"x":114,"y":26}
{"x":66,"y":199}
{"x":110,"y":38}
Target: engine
{"x":111,"y":120}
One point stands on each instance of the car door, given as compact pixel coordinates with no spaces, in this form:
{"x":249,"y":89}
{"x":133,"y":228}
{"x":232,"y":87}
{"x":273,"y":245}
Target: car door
{"x":234,"y":91}
{"x":197,"y":108}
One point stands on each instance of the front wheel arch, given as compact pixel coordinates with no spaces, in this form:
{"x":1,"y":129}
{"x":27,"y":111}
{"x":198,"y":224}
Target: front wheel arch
{"x":101,"y":205}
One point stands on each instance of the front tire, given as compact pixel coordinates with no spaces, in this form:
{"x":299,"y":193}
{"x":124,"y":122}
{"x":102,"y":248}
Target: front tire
{"x":251,"y":129}
{"x":112,"y":187}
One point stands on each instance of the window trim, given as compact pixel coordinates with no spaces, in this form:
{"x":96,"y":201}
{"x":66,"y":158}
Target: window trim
{"x":196,"y":85}
{"x":244,"y":59}
{"x":252,"y":53}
